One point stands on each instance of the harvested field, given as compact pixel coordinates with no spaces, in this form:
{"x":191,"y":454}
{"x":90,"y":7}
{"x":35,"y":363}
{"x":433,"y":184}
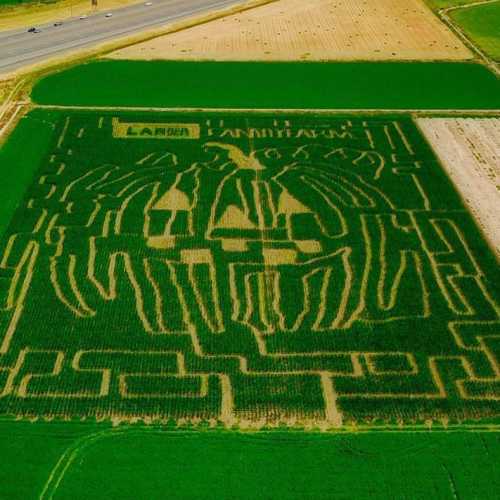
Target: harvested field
{"x":469,"y":149}
{"x":313,"y":30}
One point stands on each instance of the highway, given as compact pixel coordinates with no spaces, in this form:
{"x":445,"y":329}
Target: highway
{"x":19,"y":48}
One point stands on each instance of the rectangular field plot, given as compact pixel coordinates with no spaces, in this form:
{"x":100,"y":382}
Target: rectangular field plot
{"x":272,"y":85}
{"x":480,"y":23}
{"x":245,"y":269}
{"x":316,"y":30}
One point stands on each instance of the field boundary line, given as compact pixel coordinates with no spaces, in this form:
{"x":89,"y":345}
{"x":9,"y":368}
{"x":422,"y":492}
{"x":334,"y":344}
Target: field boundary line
{"x":457,"y":29}
{"x":68,"y":457}
{"x":9,"y":99}
{"x":468,"y":5}
{"x":10,"y":121}
{"x":13,"y":107}
{"x":323,"y":111}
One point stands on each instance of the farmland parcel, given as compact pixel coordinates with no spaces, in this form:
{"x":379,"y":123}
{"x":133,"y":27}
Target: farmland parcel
{"x":246,"y":270}
{"x":298,"y":85}
{"x":480,"y":23}
{"x":136,"y":462}
{"x":313,"y":30}
{"x":469,"y":149}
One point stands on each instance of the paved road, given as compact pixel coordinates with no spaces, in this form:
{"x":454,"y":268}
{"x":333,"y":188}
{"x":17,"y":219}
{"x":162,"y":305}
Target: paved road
{"x":19,"y":48}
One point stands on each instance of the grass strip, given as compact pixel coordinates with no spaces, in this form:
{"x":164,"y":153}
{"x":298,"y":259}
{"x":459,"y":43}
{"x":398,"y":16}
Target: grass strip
{"x":481,"y":25}
{"x":297,"y":85}
{"x":147,"y":463}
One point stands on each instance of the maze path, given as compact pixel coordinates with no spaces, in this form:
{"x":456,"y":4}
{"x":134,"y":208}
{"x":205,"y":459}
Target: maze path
{"x":246,"y":270}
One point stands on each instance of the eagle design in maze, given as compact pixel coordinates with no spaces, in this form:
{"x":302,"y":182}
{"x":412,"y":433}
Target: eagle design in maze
{"x":246,"y":270}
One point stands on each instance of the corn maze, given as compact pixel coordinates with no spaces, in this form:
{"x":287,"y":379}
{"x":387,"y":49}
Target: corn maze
{"x":245,"y":269}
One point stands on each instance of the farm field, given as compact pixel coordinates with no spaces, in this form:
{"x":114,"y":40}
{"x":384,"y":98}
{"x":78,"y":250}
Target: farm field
{"x":14,"y":181}
{"x":480,"y":23}
{"x":443,"y":4}
{"x":255,"y":279}
{"x":181,"y":267}
{"x":137,"y":462}
{"x":470,"y":151}
{"x":313,"y":30}
{"x":119,"y":225}
{"x":294,"y":85}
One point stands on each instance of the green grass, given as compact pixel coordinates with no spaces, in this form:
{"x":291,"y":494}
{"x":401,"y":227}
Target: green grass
{"x":273,"y":85}
{"x":442,"y":4}
{"x":288,"y":466}
{"x":481,"y":24}
{"x":13,"y":3}
{"x":34,"y":449}
{"x":31,"y":137}
{"x":261,"y":264}
{"x":140,"y":463}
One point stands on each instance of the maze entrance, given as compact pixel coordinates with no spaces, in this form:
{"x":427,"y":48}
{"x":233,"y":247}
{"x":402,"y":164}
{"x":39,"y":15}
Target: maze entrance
{"x":245,"y":269}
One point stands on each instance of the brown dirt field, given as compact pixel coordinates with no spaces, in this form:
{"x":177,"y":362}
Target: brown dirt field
{"x":469,"y":149}
{"x":313,"y":30}
{"x":19,"y":16}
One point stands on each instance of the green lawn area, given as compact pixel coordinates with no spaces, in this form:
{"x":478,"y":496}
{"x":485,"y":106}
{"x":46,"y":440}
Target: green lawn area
{"x":96,"y":461}
{"x":482,"y":26}
{"x":15,"y":180}
{"x":273,"y":85}
{"x":443,"y":4}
